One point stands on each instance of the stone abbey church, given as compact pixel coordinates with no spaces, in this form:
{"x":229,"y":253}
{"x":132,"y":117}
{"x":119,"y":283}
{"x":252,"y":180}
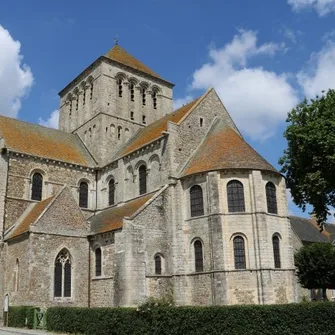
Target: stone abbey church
{"x":130,"y":200}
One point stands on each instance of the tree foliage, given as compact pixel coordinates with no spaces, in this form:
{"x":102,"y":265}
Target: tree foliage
{"x":309,"y":160}
{"x":315,"y":265}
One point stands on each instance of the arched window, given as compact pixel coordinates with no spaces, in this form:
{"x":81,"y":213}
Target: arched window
{"x":119,"y":129}
{"x":198,"y":257}
{"x":119,"y":85}
{"x":276,"y":251}
{"x":196,"y":200}
{"x":91,"y":91}
{"x":36,"y":186}
{"x":132,"y":91}
{"x":154,"y":99}
{"x":158,"y":265}
{"x":143,"y":179}
{"x":235,"y":195}
{"x":111,"y":192}
{"x":239,"y":253}
{"x":62,"y":275}
{"x":83,"y":194}
{"x":98,"y":260}
{"x":271,"y":198}
{"x":144,"y":95}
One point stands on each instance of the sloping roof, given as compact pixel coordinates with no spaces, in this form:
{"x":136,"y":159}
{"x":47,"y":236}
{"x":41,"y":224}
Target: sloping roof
{"x":112,"y":218}
{"x":307,"y":230}
{"x":119,"y":55}
{"x":29,"y":218}
{"x":330,"y":230}
{"x":44,"y":142}
{"x":223,"y":148}
{"x":154,"y":130}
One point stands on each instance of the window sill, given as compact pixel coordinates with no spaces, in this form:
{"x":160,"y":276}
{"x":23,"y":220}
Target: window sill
{"x":96,"y":278}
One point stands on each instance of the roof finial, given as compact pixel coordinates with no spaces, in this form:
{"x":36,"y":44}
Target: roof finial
{"x":116,"y":40}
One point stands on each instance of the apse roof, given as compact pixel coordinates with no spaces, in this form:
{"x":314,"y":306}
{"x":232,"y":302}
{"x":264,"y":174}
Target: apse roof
{"x":35,"y":140}
{"x":224,"y":148}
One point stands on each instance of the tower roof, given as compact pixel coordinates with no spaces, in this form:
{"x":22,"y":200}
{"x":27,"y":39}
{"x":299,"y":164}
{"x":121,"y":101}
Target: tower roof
{"x":120,"y":55}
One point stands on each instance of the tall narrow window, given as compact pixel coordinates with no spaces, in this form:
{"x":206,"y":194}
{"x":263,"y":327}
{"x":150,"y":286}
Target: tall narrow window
{"x":119,"y":85}
{"x":271,"y":198}
{"x":196,"y":200}
{"x":132,"y":91}
{"x":143,"y":179}
{"x":119,"y":133}
{"x":144,"y":119}
{"x":198,"y":256}
{"x":154,"y":99}
{"x":239,"y":253}
{"x":84,"y":95}
{"x":91,"y":92}
{"x":131,"y":115}
{"x":77,"y":101}
{"x":36,"y":186}
{"x":98,"y":262}
{"x":144,"y":96}
{"x":235,"y":195}
{"x":62,"y":274}
{"x":70,"y":106}
{"x":83,"y":195}
{"x":111,"y":192}
{"x":276,"y":251}
{"x":158,"y":265}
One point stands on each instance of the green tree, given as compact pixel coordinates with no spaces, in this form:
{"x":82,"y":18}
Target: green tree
{"x":309,"y":160}
{"x":315,"y":265}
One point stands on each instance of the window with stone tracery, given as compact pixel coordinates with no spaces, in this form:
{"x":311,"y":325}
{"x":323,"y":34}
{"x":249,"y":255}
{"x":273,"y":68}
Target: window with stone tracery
{"x":62,"y":275}
{"x":198,"y":256}
{"x":235,"y":194}
{"x":271,"y":198}
{"x":239,"y":253}
{"x":196,"y":201}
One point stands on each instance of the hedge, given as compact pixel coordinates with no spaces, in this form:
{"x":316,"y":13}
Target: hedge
{"x":21,"y":316}
{"x":307,"y":318}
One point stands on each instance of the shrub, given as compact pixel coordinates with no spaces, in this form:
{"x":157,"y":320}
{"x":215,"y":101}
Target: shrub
{"x":21,"y":316}
{"x":307,"y":319}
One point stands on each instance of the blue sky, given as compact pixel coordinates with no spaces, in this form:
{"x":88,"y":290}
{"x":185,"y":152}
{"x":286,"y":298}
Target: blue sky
{"x":261,"y":56}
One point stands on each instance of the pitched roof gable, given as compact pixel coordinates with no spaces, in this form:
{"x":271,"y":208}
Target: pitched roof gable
{"x":112,"y":218}
{"x":307,"y":230}
{"x":36,"y":140}
{"x":154,"y":130}
{"x":222,"y":149}
{"x":120,"y":55}
{"x":29,"y":218}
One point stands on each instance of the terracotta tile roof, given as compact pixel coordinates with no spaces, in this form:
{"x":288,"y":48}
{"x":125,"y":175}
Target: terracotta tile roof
{"x":223,"y":148}
{"x":45,"y":142}
{"x":154,"y":130}
{"x":112,"y":218}
{"x":30,"y":218}
{"x":119,"y":55}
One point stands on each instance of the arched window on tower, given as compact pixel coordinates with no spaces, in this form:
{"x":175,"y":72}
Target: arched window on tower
{"x":62,"y":274}
{"x":235,"y":194}
{"x":198,"y":256}
{"x":158,"y":265}
{"x":111,"y":192}
{"x":154,"y":99}
{"x":196,"y":201}
{"x":144,"y":95}
{"x":16,"y":276}
{"x":239,"y":253}
{"x":143,"y":179}
{"x":36,"y":186}
{"x":271,"y":198}
{"x":83,"y":195}
{"x":276,"y":251}
{"x":132,"y":91}
{"x":120,"y":87}
{"x":98,"y":262}
{"x":91,"y":90}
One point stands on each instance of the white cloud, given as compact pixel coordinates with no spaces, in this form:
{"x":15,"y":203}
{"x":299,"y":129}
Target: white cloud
{"x":15,"y":78}
{"x":323,"y":7}
{"x":256,"y":98}
{"x":182,"y":101}
{"x":52,"y":121}
{"x":319,"y":75}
